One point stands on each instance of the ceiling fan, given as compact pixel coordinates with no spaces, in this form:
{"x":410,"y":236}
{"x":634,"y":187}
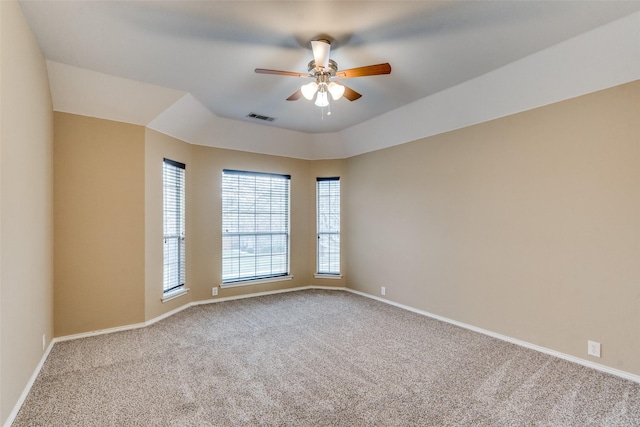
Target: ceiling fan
{"x":322,"y":70}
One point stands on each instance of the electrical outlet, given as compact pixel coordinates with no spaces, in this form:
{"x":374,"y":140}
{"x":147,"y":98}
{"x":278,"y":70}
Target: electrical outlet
{"x":383,"y":290}
{"x":593,"y":348}
{"x":44,"y":341}
{"x":214,"y":291}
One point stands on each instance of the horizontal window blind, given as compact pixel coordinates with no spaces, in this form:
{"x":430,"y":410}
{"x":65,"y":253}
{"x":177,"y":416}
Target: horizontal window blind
{"x":174,"y":225}
{"x":328,"y":225}
{"x":255,"y":225}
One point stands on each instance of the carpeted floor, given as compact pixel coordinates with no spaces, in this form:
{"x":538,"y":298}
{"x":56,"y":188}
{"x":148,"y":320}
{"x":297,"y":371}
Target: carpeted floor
{"x":316,"y":358}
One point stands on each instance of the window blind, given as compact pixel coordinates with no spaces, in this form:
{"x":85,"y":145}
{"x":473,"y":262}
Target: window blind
{"x":328,"y":225}
{"x":255,"y":225}
{"x":173,"y":174}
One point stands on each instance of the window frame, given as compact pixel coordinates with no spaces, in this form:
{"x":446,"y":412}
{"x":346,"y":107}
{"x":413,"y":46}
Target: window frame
{"x":263,"y":233}
{"x":174,"y":228}
{"x":327,"y":227}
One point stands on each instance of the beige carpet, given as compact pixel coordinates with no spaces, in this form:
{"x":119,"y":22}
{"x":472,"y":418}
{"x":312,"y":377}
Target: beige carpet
{"x":316,"y":358}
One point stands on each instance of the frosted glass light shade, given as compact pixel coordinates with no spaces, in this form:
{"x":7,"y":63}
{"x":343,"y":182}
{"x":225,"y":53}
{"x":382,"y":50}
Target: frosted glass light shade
{"x":336,"y":90}
{"x":309,"y":90}
{"x":322,"y":100}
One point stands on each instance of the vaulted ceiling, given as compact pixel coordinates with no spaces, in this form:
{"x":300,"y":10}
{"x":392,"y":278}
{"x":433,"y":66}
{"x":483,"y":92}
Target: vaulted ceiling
{"x":187,"y":67}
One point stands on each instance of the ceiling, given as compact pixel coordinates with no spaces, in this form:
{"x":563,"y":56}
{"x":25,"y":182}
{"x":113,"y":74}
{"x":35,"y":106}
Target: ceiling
{"x":209,"y":49}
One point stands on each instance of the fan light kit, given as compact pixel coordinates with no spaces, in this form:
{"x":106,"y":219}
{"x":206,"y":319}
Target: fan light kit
{"x":322,"y":70}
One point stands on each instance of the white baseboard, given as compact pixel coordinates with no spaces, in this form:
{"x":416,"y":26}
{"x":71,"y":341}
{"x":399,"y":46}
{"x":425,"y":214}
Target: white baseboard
{"x":14,"y":413}
{"x":568,"y":357}
{"x":259,"y":294}
{"x":184,"y":307}
{"x":99,"y":332}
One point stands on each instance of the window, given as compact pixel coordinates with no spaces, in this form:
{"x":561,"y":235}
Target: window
{"x":255,"y":226}
{"x":328,"y":227}
{"x":173,"y":209}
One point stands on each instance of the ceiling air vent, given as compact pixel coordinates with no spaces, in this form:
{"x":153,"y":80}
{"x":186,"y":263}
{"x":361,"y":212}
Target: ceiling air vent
{"x":260,"y":117}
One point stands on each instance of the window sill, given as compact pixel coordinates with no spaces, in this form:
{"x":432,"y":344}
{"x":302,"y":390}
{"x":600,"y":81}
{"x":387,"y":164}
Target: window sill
{"x":174,"y":294}
{"x":255,"y":282}
{"x":327,"y":276}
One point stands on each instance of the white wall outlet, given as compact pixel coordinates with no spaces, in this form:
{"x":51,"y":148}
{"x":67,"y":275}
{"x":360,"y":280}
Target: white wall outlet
{"x":44,"y":341}
{"x":383,"y":290}
{"x":214,"y":291}
{"x":593,"y":348}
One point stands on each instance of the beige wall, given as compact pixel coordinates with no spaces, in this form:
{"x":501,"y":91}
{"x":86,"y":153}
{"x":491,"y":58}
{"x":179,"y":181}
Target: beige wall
{"x":99,"y":224}
{"x":326,"y":169}
{"x":107,"y":278}
{"x":157,"y":147}
{"x":207,"y":217}
{"x":527,"y":226}
{"x":204,"y":167}
{"x":26,"y":199}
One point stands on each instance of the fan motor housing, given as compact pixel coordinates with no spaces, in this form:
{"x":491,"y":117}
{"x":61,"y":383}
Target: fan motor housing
{"x":313,"y":70}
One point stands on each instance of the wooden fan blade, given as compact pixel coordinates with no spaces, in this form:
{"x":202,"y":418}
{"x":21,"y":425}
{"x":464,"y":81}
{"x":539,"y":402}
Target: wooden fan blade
{"x":295,"y":96}
{"x":281,"y":73}
{"x":350,"y":94}
{"x":369,"y":70}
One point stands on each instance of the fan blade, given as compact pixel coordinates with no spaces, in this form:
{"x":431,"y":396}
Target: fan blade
{"x":350,"y":94}
{"x":369,"y":70}
{"x":281,"y":73}
{"x":295,"y":96}
{"x":321,"y":50}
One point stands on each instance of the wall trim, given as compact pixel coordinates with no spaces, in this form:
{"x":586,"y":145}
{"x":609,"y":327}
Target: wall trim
{"x":14,"y":413}
{"x":100,"y":332}
{"x":564,"y":356}
{"x":567,"y":357}
{"x":184,"y":307}
{"x":259,"y":294}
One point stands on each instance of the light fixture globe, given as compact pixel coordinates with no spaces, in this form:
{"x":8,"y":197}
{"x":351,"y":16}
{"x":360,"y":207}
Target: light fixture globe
{"x":322,"y":85}
{"x":322,"y":100}
{"x":309,"y":90}
{"x":336,"y":90}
